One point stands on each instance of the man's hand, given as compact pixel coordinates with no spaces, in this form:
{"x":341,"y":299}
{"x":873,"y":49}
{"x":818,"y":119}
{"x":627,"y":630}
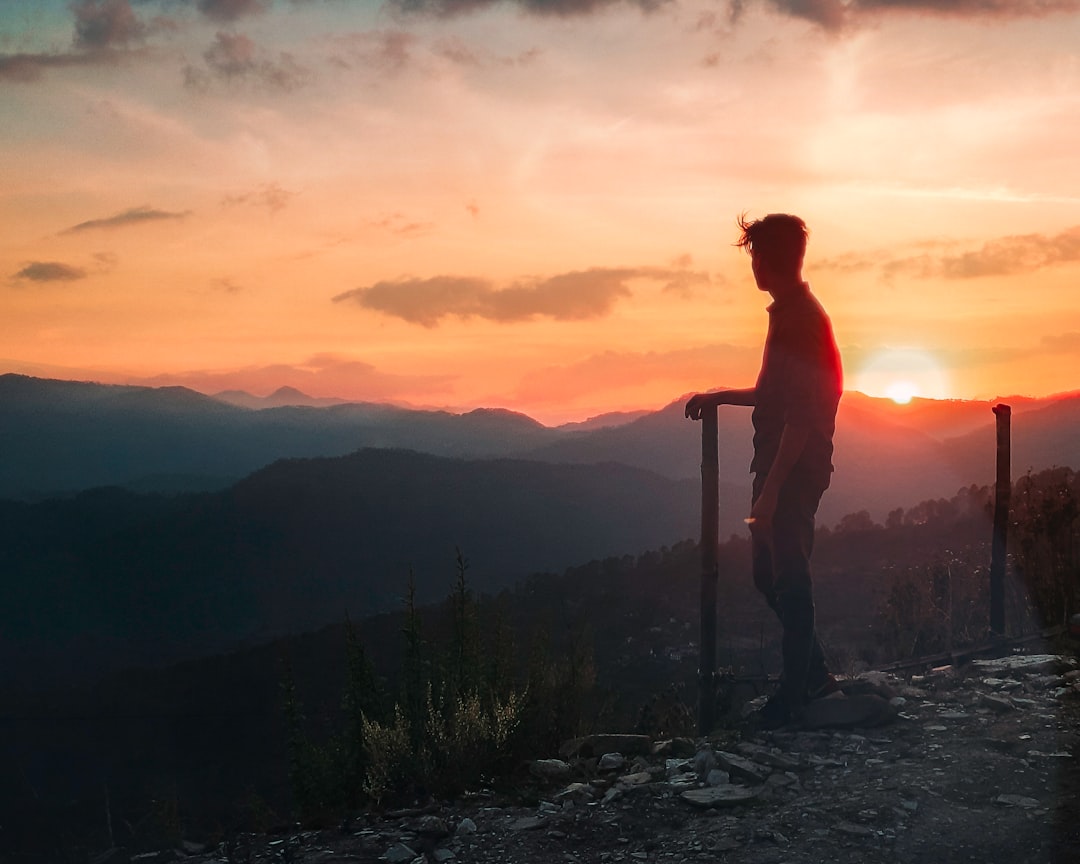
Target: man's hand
{"x":761,"y":515}
{"x":701,"y":402}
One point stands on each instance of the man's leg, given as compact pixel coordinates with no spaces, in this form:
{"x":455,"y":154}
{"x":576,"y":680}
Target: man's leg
{"x":782,"y":574}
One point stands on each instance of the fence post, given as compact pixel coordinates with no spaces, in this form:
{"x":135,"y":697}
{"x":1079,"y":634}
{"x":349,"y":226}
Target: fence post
{"x":710,"y":527}
{"x":1002,"y":494}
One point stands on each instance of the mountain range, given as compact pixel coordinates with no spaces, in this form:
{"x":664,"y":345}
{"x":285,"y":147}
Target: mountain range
{"x":60,"y":437}
{"x":156,"y":524}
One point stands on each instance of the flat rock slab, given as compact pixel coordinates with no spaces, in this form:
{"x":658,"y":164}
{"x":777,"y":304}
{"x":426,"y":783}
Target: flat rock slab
{"x":742,"y":768}
{"x":1021,"y":663}
{"x":719,"y":796}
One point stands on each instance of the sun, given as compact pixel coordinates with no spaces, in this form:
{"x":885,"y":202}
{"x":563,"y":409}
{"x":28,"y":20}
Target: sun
{"x":901,"y":374}
{"x":902,"y":391}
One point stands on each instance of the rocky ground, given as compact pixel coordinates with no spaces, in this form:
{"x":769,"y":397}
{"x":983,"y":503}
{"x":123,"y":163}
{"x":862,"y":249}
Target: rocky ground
{"x":976,"y":763}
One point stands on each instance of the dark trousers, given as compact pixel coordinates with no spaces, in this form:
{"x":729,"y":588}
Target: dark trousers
{"x":782,"y":575}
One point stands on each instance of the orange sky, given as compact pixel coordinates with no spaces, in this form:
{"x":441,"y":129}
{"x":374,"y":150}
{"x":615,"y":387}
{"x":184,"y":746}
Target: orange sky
{"x":531,"y":204}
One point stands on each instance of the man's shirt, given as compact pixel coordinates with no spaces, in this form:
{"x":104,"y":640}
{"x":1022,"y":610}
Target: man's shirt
{"x":800,"y":383}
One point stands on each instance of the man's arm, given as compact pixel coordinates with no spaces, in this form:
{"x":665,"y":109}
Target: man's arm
{"x":703,"y":401}
{"x":792,"y":444}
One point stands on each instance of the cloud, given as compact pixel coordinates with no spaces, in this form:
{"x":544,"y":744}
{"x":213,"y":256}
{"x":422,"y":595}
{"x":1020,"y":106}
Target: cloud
{"x":836,"y":15}
{"x":574,"y":296}
{"x":105,"y":23}
{"x":1018,"y":254}
{"x":388,"y":51}
{"x":1063,"y":343}
{"x":1004,"y":256}
{"x":236,"y":57}
{"x":972,"y":8}
{"x":269,"y":196}
{"x":50,"y":271}
{"x":135,"y":216}
{"x":562,"y":8}
{"x":24,"y":68}
{"x":397,"y":223}
{"x":685,"y":368}
{"x":226,"y":11}
{"x":103,"y":33}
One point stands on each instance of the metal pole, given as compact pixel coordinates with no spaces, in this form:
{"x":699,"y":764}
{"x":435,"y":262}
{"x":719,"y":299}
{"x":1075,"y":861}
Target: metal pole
{"x":710,"y":526}
{"x":1002,"y":494}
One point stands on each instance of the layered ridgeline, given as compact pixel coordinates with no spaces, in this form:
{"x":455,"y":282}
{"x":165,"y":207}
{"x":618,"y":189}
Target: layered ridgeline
{"x":60,"y":437}
{"x":115,"y":577}
{"x":310,"y":511}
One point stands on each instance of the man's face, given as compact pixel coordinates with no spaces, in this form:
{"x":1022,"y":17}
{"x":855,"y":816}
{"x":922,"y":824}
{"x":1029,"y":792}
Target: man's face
{"x":762,"y":272}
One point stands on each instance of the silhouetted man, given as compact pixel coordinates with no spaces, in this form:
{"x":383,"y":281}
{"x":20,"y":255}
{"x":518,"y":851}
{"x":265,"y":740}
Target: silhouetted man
{"x":794,"y":402}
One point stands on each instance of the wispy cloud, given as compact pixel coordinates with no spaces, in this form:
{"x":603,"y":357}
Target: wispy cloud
{"x":1063,"y":343}
{"x":832,"y":15}
{"x":1002,"y":256}
{"x":574,"y":296}
{"x":105,"y":24}
{"x":226,"y":11}
{"x":268,"y":196}
{"x":564,"y":8}
{"x":234,"y":57}
{"x":134,"y":216}
{"x":50,"y":271}
{"x":104,"y":32}
{"x":698,"y":367}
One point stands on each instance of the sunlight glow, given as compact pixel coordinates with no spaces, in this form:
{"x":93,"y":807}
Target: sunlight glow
{"x":901,"y":374}
{"x":901,"y":392}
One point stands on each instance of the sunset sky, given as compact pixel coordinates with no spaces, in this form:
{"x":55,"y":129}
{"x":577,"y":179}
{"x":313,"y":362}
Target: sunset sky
{"x":531,"y":204}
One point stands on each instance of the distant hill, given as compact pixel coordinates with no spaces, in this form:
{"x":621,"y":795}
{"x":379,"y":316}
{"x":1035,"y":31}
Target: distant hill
{"x":280,"y":398}
{"x":60,"y":437}
{"x":116,"y":578}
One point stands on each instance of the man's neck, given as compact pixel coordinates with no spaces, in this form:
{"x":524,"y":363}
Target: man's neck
{"x":787,"y":288}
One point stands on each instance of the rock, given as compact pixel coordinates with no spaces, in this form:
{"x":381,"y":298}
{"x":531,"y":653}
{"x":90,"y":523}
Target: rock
{"x":550,"y":769}
{"x":869,"y":683}
{"x":580,"y":792}
{"x":704,"y":762}
{"x":716,"y":777}
{"x":679,"y":748}
{"x":742,"y":768}
{"x":611,"y":761}
{"x":595,"y":745}
{"x":765,"y":756}
{"x":528,"y":823}
{"x":441,"y":855}
{"x":638,"y":778}
{"x":719,"y":796}
{"x":1018,"y":801}
{"x":464,"y":827}
{"x":1030,"y":663}
{"x":997,"y":703}
{"x":431,"y":826}
{"x":398,"y":854}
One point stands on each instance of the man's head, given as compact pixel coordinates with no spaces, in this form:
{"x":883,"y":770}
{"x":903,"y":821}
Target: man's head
{"x":776,"y":245}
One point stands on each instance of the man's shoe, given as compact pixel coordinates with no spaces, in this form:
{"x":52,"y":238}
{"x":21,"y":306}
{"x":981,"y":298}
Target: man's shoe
{"x":826,"y":688}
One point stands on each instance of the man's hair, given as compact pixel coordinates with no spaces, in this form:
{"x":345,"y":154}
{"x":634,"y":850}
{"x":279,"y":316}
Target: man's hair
{"x":779,"y":238}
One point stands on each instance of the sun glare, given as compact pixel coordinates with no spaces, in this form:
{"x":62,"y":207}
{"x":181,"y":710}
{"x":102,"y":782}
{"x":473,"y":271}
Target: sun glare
{"x":901,"y":374}
{"x":902,"y":392}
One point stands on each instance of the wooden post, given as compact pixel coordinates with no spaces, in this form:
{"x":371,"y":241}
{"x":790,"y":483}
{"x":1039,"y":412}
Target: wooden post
{"x":1002,"y":494}
{"x":710,"y":527}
